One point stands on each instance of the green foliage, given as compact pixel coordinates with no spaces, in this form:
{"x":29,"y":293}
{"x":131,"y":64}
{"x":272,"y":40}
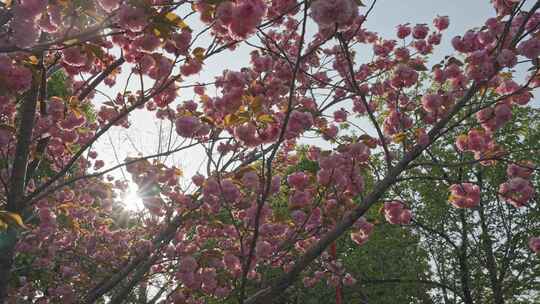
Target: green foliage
{"x":494,"y":230}
{"x":56,"y":85}
{"x":390,"y":260}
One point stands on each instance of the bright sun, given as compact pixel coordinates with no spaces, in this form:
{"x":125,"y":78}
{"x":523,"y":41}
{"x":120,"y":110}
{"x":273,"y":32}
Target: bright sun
{"x":131,"y":199}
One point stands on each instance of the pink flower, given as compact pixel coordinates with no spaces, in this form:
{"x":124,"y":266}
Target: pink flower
{"x":146,"y":64}
{"x":309,"y":282}
{"x":420,"y":31}
{"x":250,"y":180}
{"x":246,"y":133}
{"x":524,"y":170}
{"x":230,"y":191}
{"x":404,"y":76}
{"x":384,"y":48}
{"x":441,"y":22}
{"x":359,"y":151}
{"x":25,"y":32}
{"x":298,"y":180}
{"x":181,"y":41}
{"x":262,"y":63}
{"x":464,"y":195}
{"x":19,"y":78}
{"x":211,"y":187}
{"x":402,"y":54}
{"x":208,"y":279}
{"x":349,"y":280}
{"x":178,"y":297}
{"x":246,"y":15}
{"x":189,"y":279}
{"x":340,"y":115}
{"x":517,"y":191}
{"x":191,"y":67}
{"x":363,"y":231}
{"x":534,"y":244}
{"x":422,"y":137}
{"x":529,"y":48}
{"x":298,"y":217}
{"x":5,"y":64}
{"x":328,"y":13}
{"x":458,"y":44}
{"x":422,"y":46}
{"x":147,"y":42}
{"x":395,"y":213}
{"x":109,"y":5}
{"x":74,"y":56}
{"x":198,"y":180}
{"x":298,"y":122}
{"x":313,"y":153}
{"x":31,"y":8}
{"x":224,"y":12}
{"x":503,"y":113}
{"x":396,"y":121}
{"x":72,"y":122}
{"x":263,"y":249}
{"x":99,"y":164}
{"x":187,"y":126}
{"x":434,"y":39}
{"x":199,"y":90}
{"x":275,"y":184}
{"x":405,"y":217}
{"x":431,"y":102}
{"x":323,"y":176}
{"x":403,"y":31}
{"x":299,"y":199}
{"x":507,"y":58}
{"x":222,"y":292}
{"x":493,"y":118}
{"x":188,"y":264}
{"x":232,"y":262}
{"x":477,"y":140}
{"x":331,"y":132}
{"x":132,"y":18}
{"x":161,"y":68}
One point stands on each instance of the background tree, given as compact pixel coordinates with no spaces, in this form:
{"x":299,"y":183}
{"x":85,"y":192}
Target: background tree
{"x":481,"y":251}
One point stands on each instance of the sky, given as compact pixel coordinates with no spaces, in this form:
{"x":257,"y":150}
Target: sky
{"x":142,"y":136}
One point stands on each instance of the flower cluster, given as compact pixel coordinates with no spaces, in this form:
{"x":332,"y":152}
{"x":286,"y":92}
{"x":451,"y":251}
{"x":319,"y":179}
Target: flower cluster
{"x":518,"y":190}
{"x":361,"y":231}
{"x":464,"y":195}
{"x":396,"y":212}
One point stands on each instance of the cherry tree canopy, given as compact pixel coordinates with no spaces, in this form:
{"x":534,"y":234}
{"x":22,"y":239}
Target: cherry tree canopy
{"x":269,"y":203}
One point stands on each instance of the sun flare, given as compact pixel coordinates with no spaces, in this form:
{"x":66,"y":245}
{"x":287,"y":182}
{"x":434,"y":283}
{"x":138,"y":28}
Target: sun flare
{"x":131,"y":198}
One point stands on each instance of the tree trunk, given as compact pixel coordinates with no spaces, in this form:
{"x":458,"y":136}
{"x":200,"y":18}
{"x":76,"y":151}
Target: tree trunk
{"x":463,"y":265}
{"x":16,"y":191}
{"x":491,"y":264}
{"x":8,"y":239}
